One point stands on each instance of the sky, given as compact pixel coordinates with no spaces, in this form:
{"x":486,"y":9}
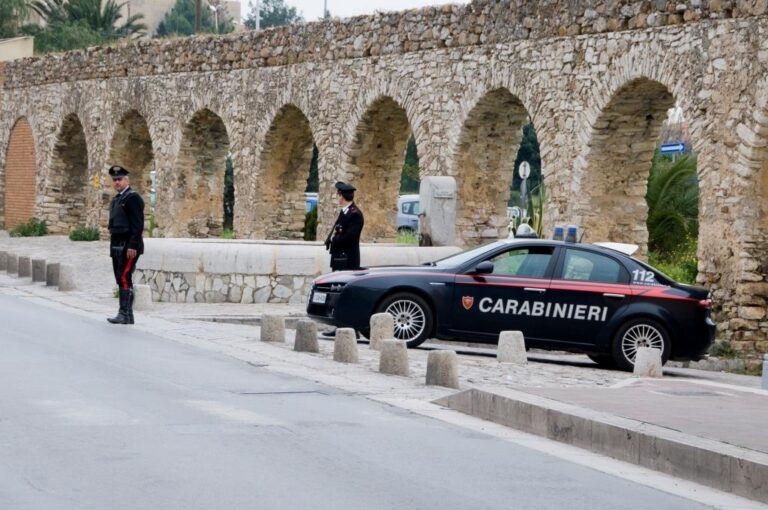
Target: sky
{"x":313,"y":9}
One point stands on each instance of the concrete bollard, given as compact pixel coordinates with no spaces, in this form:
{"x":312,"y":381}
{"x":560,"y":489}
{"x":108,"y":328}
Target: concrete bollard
{"x":38,"y":270}
{"x":765,"y":372}
{"x":25,"y":267}
{"x":3,"y":260}
{"x":142,"y":297}
{"x":443,"y":369}
{"x":12,"y":264}
{"x":648,"y":362}
{"x":394,"y":357}
{"x":511,"y":348}
{"x":66,"y":278}
{"x":345,"y":346}
{"x":306,"y":337}
{"x":272,"y":328}
{"x":382,"y":328}
{"x":52,"y":274}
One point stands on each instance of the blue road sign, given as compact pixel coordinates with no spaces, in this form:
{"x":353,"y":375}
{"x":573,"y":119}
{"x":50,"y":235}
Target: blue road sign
{"x":672,"y":148}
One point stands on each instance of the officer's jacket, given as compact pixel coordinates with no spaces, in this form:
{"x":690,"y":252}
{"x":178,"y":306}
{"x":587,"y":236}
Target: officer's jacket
{"x":126,"y":220}
{"x":345,"y":236}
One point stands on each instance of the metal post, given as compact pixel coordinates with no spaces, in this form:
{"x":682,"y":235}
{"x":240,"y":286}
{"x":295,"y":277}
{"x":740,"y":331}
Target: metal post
{"x":216,"y":19}
{"x":325,"y":9}
{"x":198,"y":15}
{"x":258,"y":14}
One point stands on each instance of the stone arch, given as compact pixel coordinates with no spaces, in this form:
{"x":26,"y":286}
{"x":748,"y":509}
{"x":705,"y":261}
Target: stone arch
{"x":612,"y":205}
{"x":485,"y":156}
{"x":20,"y":175}
{"x":283,"y":171}
{"x":131,"y":147}
{"x":198,"y":204}
{"x":67,"y":182}
{"x":375,"y":162}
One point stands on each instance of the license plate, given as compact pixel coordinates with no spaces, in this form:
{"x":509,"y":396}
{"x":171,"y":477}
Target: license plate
{"x":319,"y":298}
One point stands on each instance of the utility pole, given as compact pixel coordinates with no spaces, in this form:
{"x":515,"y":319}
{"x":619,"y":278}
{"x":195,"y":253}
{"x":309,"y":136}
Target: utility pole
{"x":258,"y":15}
{"x":198,"y":15}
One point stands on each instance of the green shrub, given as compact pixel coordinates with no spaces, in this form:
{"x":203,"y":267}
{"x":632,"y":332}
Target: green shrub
{"x":680,"y":264}
{"x":406,"y":236}
{"x":227,"y":234}
{"x":32,"y":228}
{"x":310,"y":225}
{"x":722,"y":350}
{"x":84,"y":234}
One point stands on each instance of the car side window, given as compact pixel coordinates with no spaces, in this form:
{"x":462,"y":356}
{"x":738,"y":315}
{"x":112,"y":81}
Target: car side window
{"x":528,"y":262}
{"x":591,"y":267}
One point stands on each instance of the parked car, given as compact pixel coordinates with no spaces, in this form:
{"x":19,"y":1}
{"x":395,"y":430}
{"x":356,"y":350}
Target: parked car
{"x":408,"y":213}
{"x":310,"y":200}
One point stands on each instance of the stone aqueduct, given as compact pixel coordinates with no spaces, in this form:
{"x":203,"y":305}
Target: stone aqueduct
{"x":595,"y":76}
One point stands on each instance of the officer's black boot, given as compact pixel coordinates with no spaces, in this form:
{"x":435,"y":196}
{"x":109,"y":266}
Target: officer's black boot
{"x":125,"y":301}
{"x":129,"y":311}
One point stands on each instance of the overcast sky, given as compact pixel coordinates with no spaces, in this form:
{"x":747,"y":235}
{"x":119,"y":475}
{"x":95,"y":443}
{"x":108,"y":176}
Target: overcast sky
{"x":313,"y":9}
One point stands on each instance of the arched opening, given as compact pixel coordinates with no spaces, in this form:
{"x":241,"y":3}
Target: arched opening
{"x":485,"y":158}
{"x":67,"y":182}
{"x":131,"y":148}
{"x":375,"y":165}
{"x":285,"y":167}
{"x":613,"y":204}
{"x":20,"y":175}
{"x":198,"y":208}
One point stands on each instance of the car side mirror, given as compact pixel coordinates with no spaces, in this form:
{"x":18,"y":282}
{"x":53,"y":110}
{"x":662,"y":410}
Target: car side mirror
{"x":484,"y":267}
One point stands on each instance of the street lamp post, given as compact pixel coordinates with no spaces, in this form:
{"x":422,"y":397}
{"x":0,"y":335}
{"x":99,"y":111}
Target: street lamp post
{"x":258,"y":14}
{"x":215,"y":10}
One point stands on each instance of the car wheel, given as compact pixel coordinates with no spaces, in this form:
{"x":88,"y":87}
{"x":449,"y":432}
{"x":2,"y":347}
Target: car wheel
{"x":639,"y":333}
{"x":603,"y":360}
{"x":413,"y":317}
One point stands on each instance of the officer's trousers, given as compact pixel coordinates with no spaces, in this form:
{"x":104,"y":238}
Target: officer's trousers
{"x":123,"y":268}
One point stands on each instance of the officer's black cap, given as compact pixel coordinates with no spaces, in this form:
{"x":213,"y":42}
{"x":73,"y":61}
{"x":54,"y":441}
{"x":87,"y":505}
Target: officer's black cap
{"x":342,"y":186}
{"x":117,"y":171}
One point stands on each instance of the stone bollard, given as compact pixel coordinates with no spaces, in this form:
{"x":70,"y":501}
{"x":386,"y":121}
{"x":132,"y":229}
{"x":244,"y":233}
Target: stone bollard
{"x":442,"y":369}
{"x":12,"y":264}
{"x":382,"y":328}
{"x":142,"y":297}
{"x":25,"y":267}
{"x":306,"y":337}
{"x":3,"y":260}
{"x":38,"y":270}
{"x":511,"y":348}
{"x":272,"y":328}
{"x":52,"y":274}
{"x":394,"y":357}
{"x":345,"y":346}
{"x":66,"y":278}
{"x":765,"y":372}
{"x":648,"y":362}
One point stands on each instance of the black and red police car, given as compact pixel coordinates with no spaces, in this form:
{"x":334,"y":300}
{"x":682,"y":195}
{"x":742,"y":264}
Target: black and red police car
{"x":563,"y":296}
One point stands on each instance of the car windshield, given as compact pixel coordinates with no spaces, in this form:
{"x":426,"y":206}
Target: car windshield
{"x":466,"y":256}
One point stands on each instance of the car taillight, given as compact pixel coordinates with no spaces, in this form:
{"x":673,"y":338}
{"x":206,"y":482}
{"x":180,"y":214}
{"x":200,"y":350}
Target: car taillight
{"x":705,"y":303}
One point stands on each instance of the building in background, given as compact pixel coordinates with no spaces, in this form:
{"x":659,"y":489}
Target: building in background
{"x":16,"y":47}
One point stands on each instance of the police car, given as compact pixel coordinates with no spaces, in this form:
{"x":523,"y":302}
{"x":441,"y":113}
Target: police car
{"x":562,"y":295}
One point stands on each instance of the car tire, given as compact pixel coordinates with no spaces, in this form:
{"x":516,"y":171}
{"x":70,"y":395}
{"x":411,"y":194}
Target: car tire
{"x":413,"y":317}
{"x":603,"y":360}
{"x":639,"y":333}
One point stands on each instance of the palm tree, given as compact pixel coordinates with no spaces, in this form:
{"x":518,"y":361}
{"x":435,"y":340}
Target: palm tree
{"x":101,"y":16}
{"x":673,"y":203}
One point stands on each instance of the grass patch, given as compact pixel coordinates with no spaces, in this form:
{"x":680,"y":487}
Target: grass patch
{"x":84,"y":234}
{"x":681,"y":264}
{"x":722,"y":350}
{"x":406,"y":236}
{"x":32,"y":228}
{"x":227,"y":234}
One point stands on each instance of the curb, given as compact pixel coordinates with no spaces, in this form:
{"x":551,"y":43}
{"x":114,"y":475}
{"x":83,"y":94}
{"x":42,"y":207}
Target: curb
{"x":714,"y":464}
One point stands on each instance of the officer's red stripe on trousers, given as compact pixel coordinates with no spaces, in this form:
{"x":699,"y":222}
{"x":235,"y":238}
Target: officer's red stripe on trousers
{"x":123,"y":278}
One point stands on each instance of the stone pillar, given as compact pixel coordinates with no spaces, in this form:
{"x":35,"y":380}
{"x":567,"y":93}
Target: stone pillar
{"x":442,"y":369}
{"x":394,"y":357}
{"x":306,"y":337}
{"x":142,"y":297}
{"x":272,"y":328}
{"x":648,"y":362}
{"x":67,"y":278}
{"x":382,"y":328}
{"x":3,"y":260}
{"x":52,"y":274}
{"x":345,"y":346}
{"x":38,"y":270}
{"x":25,"y":267}
{"x":511,"y":348}
{"x":12,"y":264}
{"x":437,"y":220}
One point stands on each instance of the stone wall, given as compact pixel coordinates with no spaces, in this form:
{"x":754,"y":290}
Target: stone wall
{"x":182,"y":271}
{"x":359,"y":88}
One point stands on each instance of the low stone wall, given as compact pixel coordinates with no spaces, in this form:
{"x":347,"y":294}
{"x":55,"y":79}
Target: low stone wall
{"x":195,"y":271}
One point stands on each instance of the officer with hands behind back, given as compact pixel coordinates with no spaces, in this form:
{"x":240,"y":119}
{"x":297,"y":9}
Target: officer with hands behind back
{"x":126,"y":224}
{"x":343,"y":241}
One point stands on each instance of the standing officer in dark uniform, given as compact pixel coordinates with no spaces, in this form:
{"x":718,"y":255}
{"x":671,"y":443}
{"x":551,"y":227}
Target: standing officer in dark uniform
{"x":126,"y":224}
{"x":344,"y":239}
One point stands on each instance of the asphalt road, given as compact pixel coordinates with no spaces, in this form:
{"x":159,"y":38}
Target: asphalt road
{"x":95,"y":416}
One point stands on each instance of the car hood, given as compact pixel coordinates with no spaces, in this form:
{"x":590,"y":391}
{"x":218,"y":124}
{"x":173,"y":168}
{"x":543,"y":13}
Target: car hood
{"x":347,"y":276}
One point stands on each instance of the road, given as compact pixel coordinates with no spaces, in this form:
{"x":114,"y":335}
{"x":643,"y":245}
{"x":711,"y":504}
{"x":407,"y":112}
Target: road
{"x":95,"y":416}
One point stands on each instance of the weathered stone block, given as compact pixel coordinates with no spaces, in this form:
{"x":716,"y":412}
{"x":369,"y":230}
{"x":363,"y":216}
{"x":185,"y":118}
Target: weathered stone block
{"x":511,"y":348}
{"x":25,"y":267}
{"x":345,"y":346}
{"x":12,"y":264}
{"x":648,"y":362}
{"x":272,"y":328}
{"x":142,"y":297}
{"x":437,"y":198}
{"x":394,"y":357}
{"x":382,"y":328}
{"x":67,"y":277}
{"x":443,"y":369}
{"x":3,"y":260}
{"x":52,"y":274}
{"x":38,"y":270}
{"x":306,"y":336}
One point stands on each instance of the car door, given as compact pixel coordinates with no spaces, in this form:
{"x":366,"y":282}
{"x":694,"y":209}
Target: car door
{"x":505,"y":299}
{"x":588,"y":288}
